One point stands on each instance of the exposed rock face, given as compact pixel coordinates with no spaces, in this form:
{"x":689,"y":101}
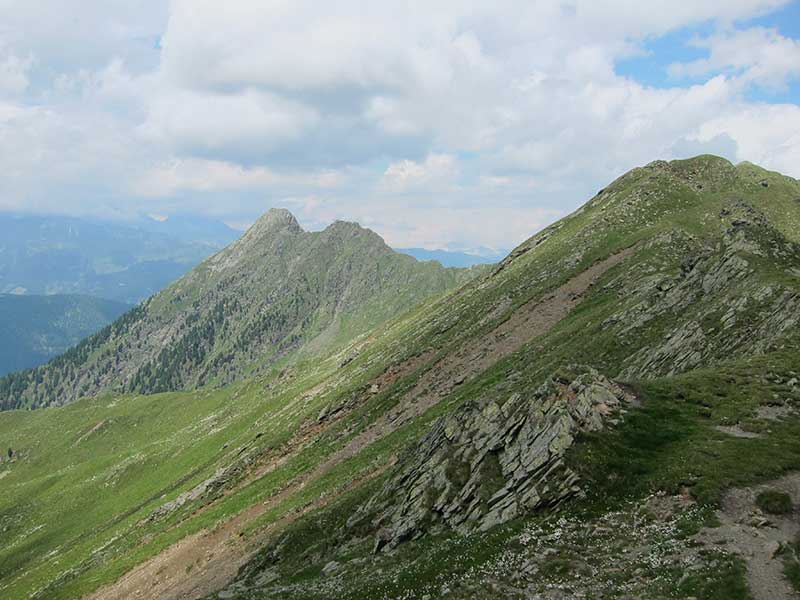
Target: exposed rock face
{"x":488,"y":463}
{"x":718,"y":305}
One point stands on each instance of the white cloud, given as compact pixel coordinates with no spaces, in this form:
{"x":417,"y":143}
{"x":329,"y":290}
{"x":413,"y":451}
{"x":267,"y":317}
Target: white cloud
{"x":67,"y":37}
{"x":240,"y":125}
{"x":13,"y":74}
{"x":756,"y":56}
{"x":406,"y":175}
{"x":459,"y":228}
{"x":493,"y":118}
{"x":199,"y":175}
{"x":298,"y":47}
{"x":768,"y":135}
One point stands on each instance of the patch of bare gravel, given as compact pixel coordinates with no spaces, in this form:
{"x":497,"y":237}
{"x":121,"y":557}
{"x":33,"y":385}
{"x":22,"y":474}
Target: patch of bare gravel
{"x":774,"y":413}
{"x":745,"y":530}
{"x":736,"y":431}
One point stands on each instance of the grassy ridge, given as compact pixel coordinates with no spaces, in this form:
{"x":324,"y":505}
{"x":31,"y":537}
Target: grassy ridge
{"x":695,"y":295}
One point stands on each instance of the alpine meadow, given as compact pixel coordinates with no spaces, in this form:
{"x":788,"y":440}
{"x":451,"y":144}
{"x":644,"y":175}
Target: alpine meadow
{"x":235,"y":365}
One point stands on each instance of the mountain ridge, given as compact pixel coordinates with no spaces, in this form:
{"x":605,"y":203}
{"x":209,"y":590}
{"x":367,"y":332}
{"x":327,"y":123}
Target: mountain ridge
{"x":606,"y":386}
{"x":247,"y":306}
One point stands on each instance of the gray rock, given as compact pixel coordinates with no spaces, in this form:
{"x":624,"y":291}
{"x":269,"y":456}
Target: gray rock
{"x":491,"y":462}
{"x":331,"y":568}
{"x":772,"y":548}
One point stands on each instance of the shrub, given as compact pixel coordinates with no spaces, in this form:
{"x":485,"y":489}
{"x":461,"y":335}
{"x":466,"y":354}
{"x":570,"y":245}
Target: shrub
{"x":774,"y":502}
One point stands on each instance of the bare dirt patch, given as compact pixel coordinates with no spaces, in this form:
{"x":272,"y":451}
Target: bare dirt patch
{"x":530,"y":321}
{"x":745,"y":530}
{"x":206,"y":561}
{"x":736,"y":431}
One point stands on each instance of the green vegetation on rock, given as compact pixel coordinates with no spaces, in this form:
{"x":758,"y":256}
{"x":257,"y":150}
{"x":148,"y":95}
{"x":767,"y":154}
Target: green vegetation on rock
{"x":774,"y":502}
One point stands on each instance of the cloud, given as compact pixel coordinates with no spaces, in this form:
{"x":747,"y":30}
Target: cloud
{"x":237,"y":125}
{"x":458,"y":228}
{"x":721,"y":144}
{"x":755,"y":56}
{"x":450,"y":123}
{"x":13,"y":74}
{"x":199,"y":175}
{"x":292,"y":47}
{"x":83,"y":35}
{"x":765,"y":134}
{"x":406,"y":175}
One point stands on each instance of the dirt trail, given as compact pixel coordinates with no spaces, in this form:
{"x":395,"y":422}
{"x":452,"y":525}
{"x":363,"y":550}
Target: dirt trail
{"x":527,"y":323}
{"x":745,"y":531}
{"x":206,"y":561}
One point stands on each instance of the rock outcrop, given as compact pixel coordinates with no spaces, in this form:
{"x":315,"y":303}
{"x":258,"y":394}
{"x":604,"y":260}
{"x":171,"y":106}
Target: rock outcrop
{"x":488,"y":463}
{"x":717,"y":305}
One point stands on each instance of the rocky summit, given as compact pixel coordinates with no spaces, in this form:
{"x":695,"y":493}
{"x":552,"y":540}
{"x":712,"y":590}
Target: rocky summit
{"x":612,"y":411}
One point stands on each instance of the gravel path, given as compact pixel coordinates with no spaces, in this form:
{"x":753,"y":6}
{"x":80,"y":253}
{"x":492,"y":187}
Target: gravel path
{"x":757,"y":537}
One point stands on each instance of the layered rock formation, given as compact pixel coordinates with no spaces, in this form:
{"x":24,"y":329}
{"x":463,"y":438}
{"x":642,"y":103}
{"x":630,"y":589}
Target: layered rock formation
{"x":489,"y":462}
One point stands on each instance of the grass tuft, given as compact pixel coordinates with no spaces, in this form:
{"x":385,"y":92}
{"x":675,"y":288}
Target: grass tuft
{"x":774,"y":502}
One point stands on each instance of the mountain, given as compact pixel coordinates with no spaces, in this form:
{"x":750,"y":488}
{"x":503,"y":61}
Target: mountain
{"x":276,"y":289}
{"x":189,"y":229}
{"x":449,"y":258}
{"x":34,"y":329}
{"x":123,"y":262}
{"x":611,"y":411}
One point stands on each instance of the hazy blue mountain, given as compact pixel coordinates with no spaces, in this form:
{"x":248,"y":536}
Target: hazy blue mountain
{"x":190,"y":228}
{"x":454,"y":259}
{"x":121,"y":261}
{"x":33,"y":329}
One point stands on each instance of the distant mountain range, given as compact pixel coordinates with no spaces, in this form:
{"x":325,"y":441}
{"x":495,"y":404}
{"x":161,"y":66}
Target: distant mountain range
{"x":34,"y":329}
{"x":126,"y":262}
{"x":450,"y":258}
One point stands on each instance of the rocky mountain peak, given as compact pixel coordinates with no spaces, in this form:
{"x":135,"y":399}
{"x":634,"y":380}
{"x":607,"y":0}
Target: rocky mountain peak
{"x":347,"y":229}
{"x":276,"y":219}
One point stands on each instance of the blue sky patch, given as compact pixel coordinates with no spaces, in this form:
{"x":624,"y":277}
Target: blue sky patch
{"x":651,"y":68}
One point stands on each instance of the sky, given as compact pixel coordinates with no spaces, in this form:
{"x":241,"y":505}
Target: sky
{"x":443,"y":124}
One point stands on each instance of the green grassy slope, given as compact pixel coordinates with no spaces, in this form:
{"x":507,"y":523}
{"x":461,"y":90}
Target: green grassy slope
{"x":668,"y":443}
{"x":698,"y":315}
{"x":34,"y":329}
